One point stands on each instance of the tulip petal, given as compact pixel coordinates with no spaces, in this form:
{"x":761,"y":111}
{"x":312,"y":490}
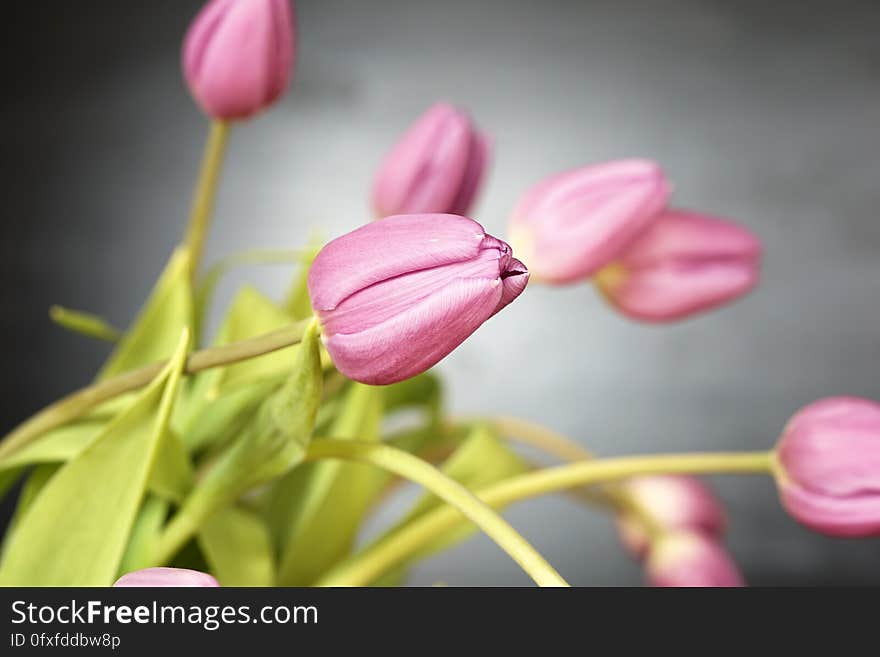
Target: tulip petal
{"x":166,"y":577}
{"x":415,"y":340}
{"x":425,"y":169}
{"x":832,"y":447}
{"x":684,"y":263}
{"x":686,"y":559}
{"x":573,"y":224}
{"x":238,"y":56}
{"x":478,"y":162}
{"x":391,"y":247}
{"x":852,"y":516}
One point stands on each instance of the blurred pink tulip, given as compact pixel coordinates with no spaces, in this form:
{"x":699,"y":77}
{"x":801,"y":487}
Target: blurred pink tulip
{"x":829,"y":466}
{"x":571,"y":225}
{"x":683,"y":264}
{"x":238,"y":56}
{"x":436,"y":167}
{"x":691,"y":559}
{"x":166,"y":577}
{"x":675,"y":503}
{"x":397,"y":295}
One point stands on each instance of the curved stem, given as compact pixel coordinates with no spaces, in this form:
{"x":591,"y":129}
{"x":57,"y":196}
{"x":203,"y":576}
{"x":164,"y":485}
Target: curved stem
{"x":79,"y":403}
{"x":206,"y":191}
{"x":462,"y":500}
{"x":401,"y":546}
{"x":566,"y":449}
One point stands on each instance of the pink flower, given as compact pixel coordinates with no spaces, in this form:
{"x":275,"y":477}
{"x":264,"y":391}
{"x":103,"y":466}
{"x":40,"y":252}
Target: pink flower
{"x":166,"y":577}
{"x":573,"y":224}
{"x":238,"y":56}
{"x":683,"y":264}
{"x":829,"y":466}
{"x":691,"y":559}
{"x":397,"y":295}
{"x":675,"y":503}
{"x":437,"y":166}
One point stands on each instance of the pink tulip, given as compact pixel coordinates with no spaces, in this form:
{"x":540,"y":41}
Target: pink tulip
{"x":166,"y":577}
{"x":675,"y":503}
{"x":437,"y":166}
{"x":829,"y":466}
{"x":573,"y":224}
{"x":238,"y":56}
{"x":691,"y":559}
{"x":683,"y":264}
{"x":397,"y":295}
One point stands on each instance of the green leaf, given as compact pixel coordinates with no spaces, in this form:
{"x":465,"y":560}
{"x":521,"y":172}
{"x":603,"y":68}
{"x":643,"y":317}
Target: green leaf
{"x":145,"y":534}
{"x":273,"y":443}
{"x":8,"y":479}
{"x":75,"y":531}
{"x":33,"y":484}
{"x":250,"y":314}
{"x":58,"y":445}
{"x":172,"y":475}
{"x":236,"y":543}
{"x":481,"y":460}
{"x":84,"y":323}
{"x":225,"y":416}
{"x":154,"y":334}
{"x":208,"y":284}
{"x":324,"y":503}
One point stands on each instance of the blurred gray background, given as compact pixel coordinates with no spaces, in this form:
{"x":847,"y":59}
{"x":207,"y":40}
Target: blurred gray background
{"x":766,"y":112}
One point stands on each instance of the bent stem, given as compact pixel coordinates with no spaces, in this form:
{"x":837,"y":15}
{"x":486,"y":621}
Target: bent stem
{"x":397,"y":548}
{"x":78,"y":403}
{"x":462,"y":500}
{"x":565,"y":449}
{"x":206,"y":192}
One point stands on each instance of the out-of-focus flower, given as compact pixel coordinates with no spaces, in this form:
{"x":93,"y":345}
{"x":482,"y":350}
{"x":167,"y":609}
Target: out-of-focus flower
{"x":238,"y":56}
{"x":691,"y":559}
{"x":436,"y":167}
{"x":571,"y":225}
{"x":166,"y":577}
{"x":397,"y":295}
{"x":674,"y":503}
{"x":829,"y":466}
{"x":682,"y":264}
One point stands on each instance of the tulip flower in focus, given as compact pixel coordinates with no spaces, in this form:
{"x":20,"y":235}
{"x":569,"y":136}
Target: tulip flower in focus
{"x":683,"y":264}
{"x":571,"y":225}
{"x":829,"y":466}
{"x":436,"y":167}
{"x":691,"y":559}
{"x":238,"y":56}
{"x":675,"y":503}
{"x":166,"y":577}
{"x":397,"y":295}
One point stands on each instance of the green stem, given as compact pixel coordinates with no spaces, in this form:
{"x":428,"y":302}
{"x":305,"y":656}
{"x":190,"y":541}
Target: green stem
{"x":566,"y":449}
{"x":462,"y":500}
{"x":206,"y":192}
{"x":79,"y":403}
{"x":404,"y":544}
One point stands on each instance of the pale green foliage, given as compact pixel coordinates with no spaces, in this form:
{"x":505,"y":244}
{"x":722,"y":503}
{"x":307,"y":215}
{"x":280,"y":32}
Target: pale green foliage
{"x":75,"y":531}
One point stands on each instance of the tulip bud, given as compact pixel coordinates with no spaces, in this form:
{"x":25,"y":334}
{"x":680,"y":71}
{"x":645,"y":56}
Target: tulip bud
{"x":683,"y":264}
{"x":691,"y":559}
{"x":829,"y":466}
{"x":238,"y":56}
{"x":674,"y":503}
{"x":573,"y":224}
{"x":437,"y":166}
{"x":397,"y":295}
{"x":166,"y":577}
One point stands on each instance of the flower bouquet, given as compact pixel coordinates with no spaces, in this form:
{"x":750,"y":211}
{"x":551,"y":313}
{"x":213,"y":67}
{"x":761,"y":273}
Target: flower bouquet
{"x":254,"y":456}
